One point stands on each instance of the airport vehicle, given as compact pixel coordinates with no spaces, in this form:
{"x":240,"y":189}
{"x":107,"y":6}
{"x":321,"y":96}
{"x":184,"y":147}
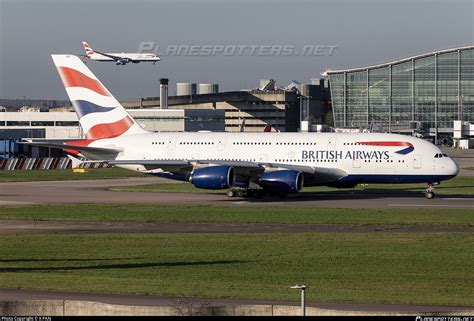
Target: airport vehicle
{"x":119,"y":58}
{"x":247,"y":164}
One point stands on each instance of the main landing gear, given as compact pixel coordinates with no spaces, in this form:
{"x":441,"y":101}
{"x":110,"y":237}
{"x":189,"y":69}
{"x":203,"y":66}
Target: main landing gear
{"x":252,"y":193}
{"x":245,"y":192}
{"x":430,"y":194}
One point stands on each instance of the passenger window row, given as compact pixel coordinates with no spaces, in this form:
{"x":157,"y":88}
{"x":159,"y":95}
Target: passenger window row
{"x":251,"y":143}
{"x":196,"y":143}
{"x":304,"y":143}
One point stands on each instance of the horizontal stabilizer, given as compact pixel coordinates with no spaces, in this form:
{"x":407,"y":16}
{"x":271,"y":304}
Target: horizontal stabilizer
{"x":99,"y":150}
{"x":149,"y":162}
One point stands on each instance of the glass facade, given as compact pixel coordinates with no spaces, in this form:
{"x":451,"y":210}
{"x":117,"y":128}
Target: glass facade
{"x":429,"y":91}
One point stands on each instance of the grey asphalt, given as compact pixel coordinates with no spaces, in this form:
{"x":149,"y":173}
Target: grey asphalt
{"x":96,"y":191}
{"x":149,"y":300}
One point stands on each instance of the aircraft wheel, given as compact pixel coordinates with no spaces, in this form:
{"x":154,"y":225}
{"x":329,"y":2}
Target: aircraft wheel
{"x":231,"y":193}
{"x":430,"y":195}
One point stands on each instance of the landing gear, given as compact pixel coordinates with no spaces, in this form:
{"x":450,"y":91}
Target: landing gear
{"x":430,"y":194}
{"x":245,"y":192}
{"x":235,"y":193}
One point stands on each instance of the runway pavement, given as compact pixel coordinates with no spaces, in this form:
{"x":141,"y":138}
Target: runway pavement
{"x":96,"y":191}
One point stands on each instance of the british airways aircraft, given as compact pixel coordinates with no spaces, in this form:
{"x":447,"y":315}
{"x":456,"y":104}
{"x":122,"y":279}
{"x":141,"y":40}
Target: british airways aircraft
{"x":247,"y":164}
{"x":119,"y":58}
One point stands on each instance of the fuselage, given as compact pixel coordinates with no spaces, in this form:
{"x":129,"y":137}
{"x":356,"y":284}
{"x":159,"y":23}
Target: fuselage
{"x":132,"y":56}
{"x":364,"y":157}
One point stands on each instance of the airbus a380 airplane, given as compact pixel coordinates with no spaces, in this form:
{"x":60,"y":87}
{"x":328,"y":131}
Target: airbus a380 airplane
{"x":119,"y":58}
{"x":244,"y":163}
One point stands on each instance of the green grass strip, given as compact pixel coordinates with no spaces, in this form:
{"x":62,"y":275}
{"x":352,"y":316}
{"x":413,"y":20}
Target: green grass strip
{"x":415,"y":268}
{"x":207,"y":213}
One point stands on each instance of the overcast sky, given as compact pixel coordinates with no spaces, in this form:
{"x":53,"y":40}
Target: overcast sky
{"x":363,"y":32}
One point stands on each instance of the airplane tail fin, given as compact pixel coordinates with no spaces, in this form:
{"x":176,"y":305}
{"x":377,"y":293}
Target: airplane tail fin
{"x":100,"y":114}
{"x":88,"y":49}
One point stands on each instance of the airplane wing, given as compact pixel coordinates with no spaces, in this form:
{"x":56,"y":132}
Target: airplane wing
{"x":116,"y":58}
{"x":242,"y":168}
{"x":173,"y":166}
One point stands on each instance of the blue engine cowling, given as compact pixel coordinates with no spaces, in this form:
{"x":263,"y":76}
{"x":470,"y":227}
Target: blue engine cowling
{"x":213,"y":177}
{"x":282,"y":182}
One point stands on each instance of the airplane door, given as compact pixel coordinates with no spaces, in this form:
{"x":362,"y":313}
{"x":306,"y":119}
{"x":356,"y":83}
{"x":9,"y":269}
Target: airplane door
{"x":171,"y":143}
{"x":332,"y":143}
{"x":417,"y":161}
{"x":356,"y":163}
{"x":221,"y":143}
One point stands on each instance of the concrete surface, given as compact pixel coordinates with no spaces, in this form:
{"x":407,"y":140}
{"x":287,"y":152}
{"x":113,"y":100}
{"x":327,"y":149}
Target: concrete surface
{"x":89,"y":308}
{"x":96,"y":191}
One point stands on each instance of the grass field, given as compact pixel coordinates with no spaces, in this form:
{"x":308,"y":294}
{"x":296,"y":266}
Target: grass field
{"x":258,"y":215}
{"x":416,"y":268}
{"x":461,"y":185}
{"x":407,"y":268}
{"x":65,"y":174}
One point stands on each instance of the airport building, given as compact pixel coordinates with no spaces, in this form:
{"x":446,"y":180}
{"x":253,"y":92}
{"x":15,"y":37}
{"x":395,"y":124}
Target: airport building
{"x":250,"y":110}
{"x":423,"y":93}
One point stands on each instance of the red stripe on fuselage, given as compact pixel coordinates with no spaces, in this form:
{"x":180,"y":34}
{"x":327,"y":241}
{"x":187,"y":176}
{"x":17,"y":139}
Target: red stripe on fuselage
{"x":386,"y":143}
{"x":74,"y":78}
{"x":111,"y":129}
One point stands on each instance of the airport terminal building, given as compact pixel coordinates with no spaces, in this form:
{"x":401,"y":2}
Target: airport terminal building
{"x":424,"y":93}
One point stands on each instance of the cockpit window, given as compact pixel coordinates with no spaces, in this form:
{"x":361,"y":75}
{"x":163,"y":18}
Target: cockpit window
{"x":439,"y":155}
{"x":444,"y":155}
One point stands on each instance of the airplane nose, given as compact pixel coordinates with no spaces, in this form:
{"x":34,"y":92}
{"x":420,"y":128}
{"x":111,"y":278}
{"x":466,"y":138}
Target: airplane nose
{"x":454,"y":168}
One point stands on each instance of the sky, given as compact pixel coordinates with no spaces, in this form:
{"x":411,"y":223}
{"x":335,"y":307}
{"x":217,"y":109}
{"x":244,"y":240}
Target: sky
{"x":341,"y":33}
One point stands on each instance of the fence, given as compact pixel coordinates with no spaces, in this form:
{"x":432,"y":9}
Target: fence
{"x":46,"y":163}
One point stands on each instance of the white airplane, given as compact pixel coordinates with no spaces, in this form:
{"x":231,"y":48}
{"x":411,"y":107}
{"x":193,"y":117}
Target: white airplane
{"x":119,"y":58}
{"x":245,"y":163}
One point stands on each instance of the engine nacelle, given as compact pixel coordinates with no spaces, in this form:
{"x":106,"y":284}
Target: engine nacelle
{"x":213,"y":177}
{"x":282,"y":182}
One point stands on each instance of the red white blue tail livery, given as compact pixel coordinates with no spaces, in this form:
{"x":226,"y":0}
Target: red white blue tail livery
{"x":100,"y":114}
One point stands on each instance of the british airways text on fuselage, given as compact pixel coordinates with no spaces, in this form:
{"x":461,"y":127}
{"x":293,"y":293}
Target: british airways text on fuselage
{"x":339,"y":154}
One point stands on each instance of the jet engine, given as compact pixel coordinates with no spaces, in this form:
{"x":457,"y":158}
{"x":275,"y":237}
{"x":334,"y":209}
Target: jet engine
{"x":213,"y":177}
{"x":123,"y":61}
{"x":282,"y":181}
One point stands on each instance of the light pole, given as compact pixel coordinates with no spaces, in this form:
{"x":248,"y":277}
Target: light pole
{"x":461,"y":98}
{"x":303,"y":287}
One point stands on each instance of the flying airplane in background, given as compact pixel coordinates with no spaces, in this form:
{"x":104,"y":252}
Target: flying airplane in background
{"x":119,"y":58}
{"x":247,"y":164}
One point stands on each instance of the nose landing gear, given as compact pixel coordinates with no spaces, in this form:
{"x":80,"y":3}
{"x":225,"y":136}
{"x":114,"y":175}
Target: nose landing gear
{"x":430,"y":194}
